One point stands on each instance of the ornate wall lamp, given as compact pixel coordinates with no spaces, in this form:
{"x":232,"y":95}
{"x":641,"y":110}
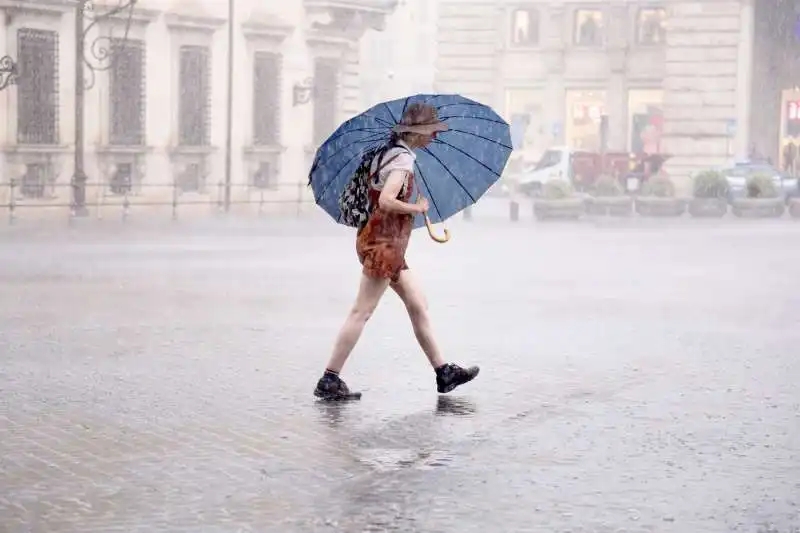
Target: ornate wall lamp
{"x":8,"y":72}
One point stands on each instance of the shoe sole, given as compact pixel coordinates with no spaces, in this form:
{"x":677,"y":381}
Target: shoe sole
{"x":452,"y":386}
{"x":338,"y":397}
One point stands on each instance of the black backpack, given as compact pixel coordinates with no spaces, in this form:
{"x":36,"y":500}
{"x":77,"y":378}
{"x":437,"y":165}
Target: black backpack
{"x":354,"y":201}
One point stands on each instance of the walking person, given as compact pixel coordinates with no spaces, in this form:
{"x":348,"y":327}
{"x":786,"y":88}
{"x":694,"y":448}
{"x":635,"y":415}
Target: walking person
{"x":381,"y":246}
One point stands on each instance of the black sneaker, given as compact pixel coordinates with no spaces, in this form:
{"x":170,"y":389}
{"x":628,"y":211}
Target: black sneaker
{"x":450,"y":376}
{"x":330,"y":387}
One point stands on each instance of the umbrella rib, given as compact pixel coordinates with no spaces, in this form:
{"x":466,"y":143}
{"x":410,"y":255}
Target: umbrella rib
{"x":430,"y":193}
{"x":372,"y":137}
{"x":481,"y":163}
{"x":405,"y":105}
{"x":473,"y":104}
{"x":389,"y":109}
{"x":476,"y":118}
{"x":479,"y":137}
{"x":449,"y":172}
{"x":373,"y":129}
{"x":435,"y":96}
{"x":379,"y":119}
{"x":358,"y":154}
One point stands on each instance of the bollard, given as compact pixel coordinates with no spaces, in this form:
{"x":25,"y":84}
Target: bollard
{"x":126,"y":206}
{"x":12,"y":203}
{"x":513,"y":210}
{"x":174,"y":200}
{"x":468,"y":213}
{"x":300,"y":187}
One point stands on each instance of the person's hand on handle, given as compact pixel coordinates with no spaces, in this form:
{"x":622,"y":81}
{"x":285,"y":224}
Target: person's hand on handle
{"x":422,"y":202}
{"x":422,"y":205}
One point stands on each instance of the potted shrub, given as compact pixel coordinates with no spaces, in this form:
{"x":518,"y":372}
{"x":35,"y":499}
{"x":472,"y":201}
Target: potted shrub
{"x":609,"y":198}
{"x":794,"y":207}
{"x":763,"y":199}
{"x":558,"y":200}
{"x":794,"y":202}
{"x":658,"y":199}
{"x":710,"y":195}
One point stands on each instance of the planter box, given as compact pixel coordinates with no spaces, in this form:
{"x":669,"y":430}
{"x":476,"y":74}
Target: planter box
{"x":758,"y":207}
{"x":656,"y":206}
{"x":615,"y":206}
{"x":794,"y":207}
{"x":568,"y":208}
{"x":708,"y":207}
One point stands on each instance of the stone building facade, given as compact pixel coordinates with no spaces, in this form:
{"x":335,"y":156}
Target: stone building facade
{"x":155,"y":117}
{"x":706,"y":81}
{"x":401,"y":60}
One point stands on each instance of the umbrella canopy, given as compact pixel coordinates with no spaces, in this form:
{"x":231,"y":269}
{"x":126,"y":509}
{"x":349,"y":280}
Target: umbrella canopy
{"x":453,"y":172}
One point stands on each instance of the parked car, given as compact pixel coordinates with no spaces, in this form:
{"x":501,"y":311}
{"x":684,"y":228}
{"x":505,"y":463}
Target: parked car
{"x":738,"y":175}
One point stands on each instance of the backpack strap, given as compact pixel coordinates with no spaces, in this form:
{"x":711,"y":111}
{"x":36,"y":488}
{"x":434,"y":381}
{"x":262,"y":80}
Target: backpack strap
{"x":384,"y":165}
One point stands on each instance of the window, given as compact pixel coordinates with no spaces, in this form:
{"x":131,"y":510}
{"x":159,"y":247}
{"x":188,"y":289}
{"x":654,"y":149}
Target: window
{"x":122,"y":180}
{"x":126,"y":93}
{"x":264,"y":177}
{"x":588,"y":27}
{"x":326,"y":88}
{"x":34,"y":181}
{"x":549,"y":159}
{"x":266,"y":98}
{"x":525,"y":27}
{"x":192,"y":179}
{"x":195,"y":93}
{"x":37,"y":87}
{"x":650,"y":26}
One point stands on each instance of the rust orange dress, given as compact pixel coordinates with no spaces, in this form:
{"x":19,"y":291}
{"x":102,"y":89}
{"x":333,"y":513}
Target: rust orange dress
{"x":381,"y":244}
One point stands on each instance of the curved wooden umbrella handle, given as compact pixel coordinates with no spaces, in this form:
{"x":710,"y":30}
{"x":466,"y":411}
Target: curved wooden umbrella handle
{"x":430,"y":231}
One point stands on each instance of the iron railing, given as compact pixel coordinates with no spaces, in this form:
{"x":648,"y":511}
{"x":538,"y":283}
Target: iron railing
{"x":14,"y":203}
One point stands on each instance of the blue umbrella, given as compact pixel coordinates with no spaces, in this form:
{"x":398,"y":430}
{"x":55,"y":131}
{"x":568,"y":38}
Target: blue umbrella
{"x":453,"y":172}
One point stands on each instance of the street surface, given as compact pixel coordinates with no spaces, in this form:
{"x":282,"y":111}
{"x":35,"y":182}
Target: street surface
{"x":637,"y":376}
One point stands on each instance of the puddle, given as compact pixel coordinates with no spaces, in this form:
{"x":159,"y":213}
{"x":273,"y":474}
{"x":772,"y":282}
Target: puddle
{"x":388,"y":459}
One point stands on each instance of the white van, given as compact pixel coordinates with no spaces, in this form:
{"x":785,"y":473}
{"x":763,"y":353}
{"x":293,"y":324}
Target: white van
{"x":555,"y":164}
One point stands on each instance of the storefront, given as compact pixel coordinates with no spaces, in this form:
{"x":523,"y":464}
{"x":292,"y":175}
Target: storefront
{"x":645,"y":120}
{"x":524,"y":112}
{"x":790,"y":132}
{"x":584,"y":114}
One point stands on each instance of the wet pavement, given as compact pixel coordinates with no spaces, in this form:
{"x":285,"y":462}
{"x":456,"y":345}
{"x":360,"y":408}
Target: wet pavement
{"x":636,"y":376}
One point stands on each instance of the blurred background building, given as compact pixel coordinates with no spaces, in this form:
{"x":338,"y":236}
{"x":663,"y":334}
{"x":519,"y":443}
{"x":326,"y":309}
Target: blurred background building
{"x":157,"y":114}
{"x":704,"y":80}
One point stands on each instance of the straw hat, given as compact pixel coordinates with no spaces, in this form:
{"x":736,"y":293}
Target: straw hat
{"x":420,"y":118}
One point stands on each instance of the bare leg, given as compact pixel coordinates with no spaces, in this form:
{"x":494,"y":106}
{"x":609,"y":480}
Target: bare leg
{"x":410,"y":292}
{"x":370,"y":292}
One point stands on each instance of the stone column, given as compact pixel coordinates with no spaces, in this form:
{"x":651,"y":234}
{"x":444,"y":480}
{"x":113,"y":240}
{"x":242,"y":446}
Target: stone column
{"x":744,"y":76}
{"x":5,"y":115}
{"x":617,"y":88}
{"x":351,"y":103}
{"x":555,"y":37}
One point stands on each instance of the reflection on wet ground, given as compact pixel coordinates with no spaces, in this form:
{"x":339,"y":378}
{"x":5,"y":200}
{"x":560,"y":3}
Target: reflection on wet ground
{"x":633,"y":379}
